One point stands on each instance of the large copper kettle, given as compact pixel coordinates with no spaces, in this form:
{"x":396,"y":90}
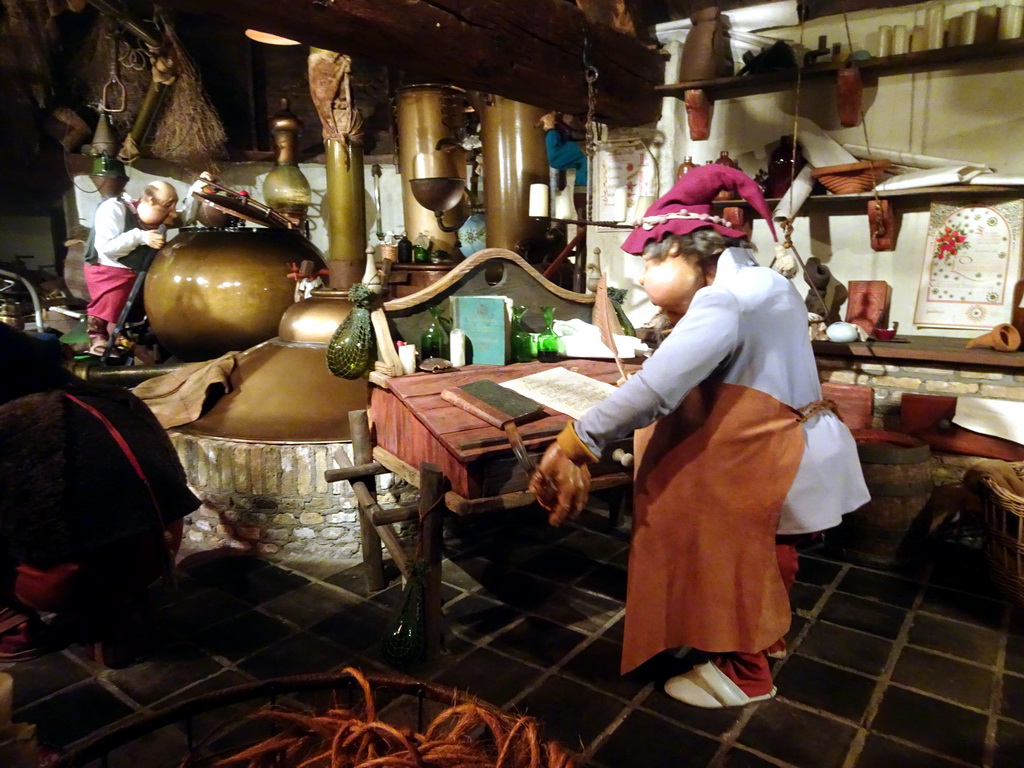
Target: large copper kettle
{"x":211,"y":291}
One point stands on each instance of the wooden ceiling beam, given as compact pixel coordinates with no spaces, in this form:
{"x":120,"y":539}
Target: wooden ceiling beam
{"x":527,"y":50}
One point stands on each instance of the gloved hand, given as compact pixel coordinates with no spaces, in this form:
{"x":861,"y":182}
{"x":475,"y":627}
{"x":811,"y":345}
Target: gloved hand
{"x":562,"y":480}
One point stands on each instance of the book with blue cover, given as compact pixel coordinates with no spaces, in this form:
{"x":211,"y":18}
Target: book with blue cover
{"x":484,"y":320}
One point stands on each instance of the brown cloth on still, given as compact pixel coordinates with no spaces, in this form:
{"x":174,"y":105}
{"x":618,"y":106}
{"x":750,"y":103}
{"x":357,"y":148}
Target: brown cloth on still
{"x":177,"y":397}
{"x":999,"y":473}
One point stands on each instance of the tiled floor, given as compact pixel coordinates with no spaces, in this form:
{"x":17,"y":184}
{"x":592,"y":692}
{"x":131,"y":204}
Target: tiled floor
{"x":883,"y":670}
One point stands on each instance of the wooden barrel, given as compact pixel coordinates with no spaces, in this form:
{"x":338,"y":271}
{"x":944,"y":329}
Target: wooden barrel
{"x":889,"y":531}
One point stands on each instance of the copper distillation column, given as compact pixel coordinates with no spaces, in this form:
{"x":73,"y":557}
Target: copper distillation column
{"x":515,"y":156}
{"x":431,"y":119}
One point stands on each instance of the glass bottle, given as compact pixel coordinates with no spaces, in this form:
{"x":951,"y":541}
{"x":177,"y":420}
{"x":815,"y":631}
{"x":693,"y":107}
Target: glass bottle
{"x":434,"y":341}
{"x":685,"y":166}
{"x":549,"y":345}
{"x":785,"y":163}
{"x":404,"y":250}
{"x":420,"y":254}
{"x":522,"y":351}
{"x":286,"y":189}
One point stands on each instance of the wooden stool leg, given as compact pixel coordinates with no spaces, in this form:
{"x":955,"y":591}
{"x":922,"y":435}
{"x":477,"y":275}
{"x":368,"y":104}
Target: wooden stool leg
{"x":362,"y":453}
{"x":432,"y":532}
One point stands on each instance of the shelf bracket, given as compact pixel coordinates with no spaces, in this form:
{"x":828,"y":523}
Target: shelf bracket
{"x":883,"y":225}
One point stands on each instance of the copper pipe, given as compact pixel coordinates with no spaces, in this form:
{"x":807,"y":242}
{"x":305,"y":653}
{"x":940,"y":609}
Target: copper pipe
{"x":122,"y":376}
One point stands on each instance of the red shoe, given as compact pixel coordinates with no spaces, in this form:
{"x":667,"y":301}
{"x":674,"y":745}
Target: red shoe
{"x":28,"y":640}
{"x":776,"y":650}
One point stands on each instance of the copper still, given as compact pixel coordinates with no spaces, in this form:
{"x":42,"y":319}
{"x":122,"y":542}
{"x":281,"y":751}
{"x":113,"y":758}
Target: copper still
{"x":515,"y":157}
{"x":211,"y":291}
{"x":431,"y":119}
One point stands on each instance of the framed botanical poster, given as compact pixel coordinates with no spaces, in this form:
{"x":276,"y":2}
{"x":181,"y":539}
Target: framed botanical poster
{"x":971,"y":262}
{"x":626,"y":181}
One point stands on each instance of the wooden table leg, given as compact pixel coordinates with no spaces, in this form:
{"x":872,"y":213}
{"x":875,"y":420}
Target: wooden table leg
{"x":432,"y":532}
{"x":362,"y":453}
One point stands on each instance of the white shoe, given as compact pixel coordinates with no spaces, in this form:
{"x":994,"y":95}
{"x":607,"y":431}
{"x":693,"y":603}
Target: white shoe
{"x":708,"y":687}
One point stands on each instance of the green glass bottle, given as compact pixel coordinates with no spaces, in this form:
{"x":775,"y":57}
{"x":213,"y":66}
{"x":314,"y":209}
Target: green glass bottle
{"x":522,"y":348}
{"x":549,"y":345}
{"x":434,"y":340}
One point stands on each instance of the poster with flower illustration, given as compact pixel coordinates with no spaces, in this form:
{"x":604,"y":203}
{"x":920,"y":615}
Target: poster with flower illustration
{"x":971,"y":262}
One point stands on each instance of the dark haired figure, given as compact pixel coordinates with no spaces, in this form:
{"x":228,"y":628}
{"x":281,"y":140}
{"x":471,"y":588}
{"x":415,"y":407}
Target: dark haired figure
{"x":738,"y":457}
{"x":92,"y":496}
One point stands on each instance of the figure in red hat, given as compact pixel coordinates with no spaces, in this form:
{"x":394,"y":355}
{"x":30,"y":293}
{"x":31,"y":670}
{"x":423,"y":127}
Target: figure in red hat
{"x":738,"y":456}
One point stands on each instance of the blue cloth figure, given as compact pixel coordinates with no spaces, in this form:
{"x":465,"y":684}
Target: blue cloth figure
{"x":563,"y":152}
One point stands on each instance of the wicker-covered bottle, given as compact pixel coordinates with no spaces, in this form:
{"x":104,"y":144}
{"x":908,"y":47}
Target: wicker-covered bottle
{"x":352,"y":350}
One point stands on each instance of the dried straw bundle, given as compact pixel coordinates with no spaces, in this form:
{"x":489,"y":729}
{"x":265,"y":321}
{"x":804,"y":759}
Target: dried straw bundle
{"x":466,"y":735}
{"x":188,"y":131}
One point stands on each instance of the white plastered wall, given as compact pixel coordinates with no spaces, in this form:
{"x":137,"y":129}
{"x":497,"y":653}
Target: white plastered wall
{"x":971,"y":112}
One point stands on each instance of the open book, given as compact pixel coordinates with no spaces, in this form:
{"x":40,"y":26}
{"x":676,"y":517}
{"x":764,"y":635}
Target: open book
{"x":562,"y":390}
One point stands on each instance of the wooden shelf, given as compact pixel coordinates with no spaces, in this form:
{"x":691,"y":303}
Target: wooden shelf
{"x":918,"y":61}
{"x":921,"y":197}
{"x":922,"y":349}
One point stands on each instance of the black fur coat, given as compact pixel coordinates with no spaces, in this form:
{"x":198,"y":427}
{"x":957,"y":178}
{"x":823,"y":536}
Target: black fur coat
{"x":67,"y":488}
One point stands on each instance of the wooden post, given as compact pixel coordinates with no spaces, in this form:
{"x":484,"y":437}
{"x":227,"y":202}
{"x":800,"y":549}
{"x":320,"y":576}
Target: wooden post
{"x":431,"y":535}
{"x":362,"y":453}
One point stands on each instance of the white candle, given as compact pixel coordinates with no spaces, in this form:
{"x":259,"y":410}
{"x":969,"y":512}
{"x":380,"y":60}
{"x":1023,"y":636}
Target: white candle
{"x":885,"y":40}
{"x":918,"y":39}
{"x":934,"y":24}
{"x":457,"y":346}
{"x":539,"y":200}
{"x":900,"y":39}
{"x":968,"y":27}
{"x":407,"y":354}
{"x":1011,"y":20}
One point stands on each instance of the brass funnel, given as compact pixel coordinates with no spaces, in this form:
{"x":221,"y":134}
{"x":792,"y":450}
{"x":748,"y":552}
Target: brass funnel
{"x":439,"y":194}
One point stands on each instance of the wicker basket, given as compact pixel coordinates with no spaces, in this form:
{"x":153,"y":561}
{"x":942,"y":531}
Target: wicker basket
{"x":1003,"y":512}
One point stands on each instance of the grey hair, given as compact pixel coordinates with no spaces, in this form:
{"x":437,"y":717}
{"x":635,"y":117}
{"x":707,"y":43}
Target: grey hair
{"x":701,"y":246}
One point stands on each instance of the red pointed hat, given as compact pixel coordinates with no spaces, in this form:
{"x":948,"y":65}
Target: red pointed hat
{"x":687,"y":206}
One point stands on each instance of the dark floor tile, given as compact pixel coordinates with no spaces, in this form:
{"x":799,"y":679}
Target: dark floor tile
{"x":594,"y":544}
{"x":489,"y":676}
{"x":462,"y":573}
{"x":221,"y":568}
{"x":73,"y":714}
{"x":201,"y":610}
{"x":263,"y":584}
{"x":317,"y":568}
{"x":805,"y":597}
{"x":814,"y":570}
{"x":737,"y":757}
{"x":616,"y":631}
{"x":354,"y":578}
{"x":41,"y":677}
{"x":570,"y":713}
{"x":167,"y":671}
{"x":1009,"y":744}
{"x":955,"y":638}
{"x":1017,"y":620}
{"x":242,"y":635}
{"x":299,"y":654}
{"x":353,"y":629}
{"x":941,"y":676}
{"x":572,"y":607}
{"x":598,"y":665}
{"x":539,"y":641}
{"x":309,"y":604}
{"x":474,"y":616}
{"x":962,"y":606}
{"x":1013,"y":697}
{"x":846,"y":647}
{"x":881,"y":752}
{"x":1014,"y":654}
{"x":203,"y":721}
{"x":643,"y":739}
{"x":880,"y":586}
{"x":713,"y":722}
{"x":558,"y":563}
{"x":825,"y":688}
{"x":607,"y":580}
{"x":516,"y":589}
{"x":621,"y":559}
{"x":936,"y":725}
{"x":796,"y":736}
{"x":864,"y":615}
{"x":161,"y":748}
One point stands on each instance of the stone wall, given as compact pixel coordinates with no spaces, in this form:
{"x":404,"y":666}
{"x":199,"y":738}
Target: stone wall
{"x":890,"y":380}
{"x":271,"y":500}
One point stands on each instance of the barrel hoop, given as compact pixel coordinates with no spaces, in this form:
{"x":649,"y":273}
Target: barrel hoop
{"x":918,"y":488}
{"x":884,"y":453}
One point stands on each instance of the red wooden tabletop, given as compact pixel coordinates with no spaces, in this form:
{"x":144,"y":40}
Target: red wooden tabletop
{"x":465,"y":435}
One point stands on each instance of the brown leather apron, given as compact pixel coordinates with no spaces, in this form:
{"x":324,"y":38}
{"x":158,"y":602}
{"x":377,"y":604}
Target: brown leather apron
{"x":710,"y":482}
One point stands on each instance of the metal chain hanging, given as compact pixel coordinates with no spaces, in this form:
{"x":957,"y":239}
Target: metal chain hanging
{"x":590,"y":75}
